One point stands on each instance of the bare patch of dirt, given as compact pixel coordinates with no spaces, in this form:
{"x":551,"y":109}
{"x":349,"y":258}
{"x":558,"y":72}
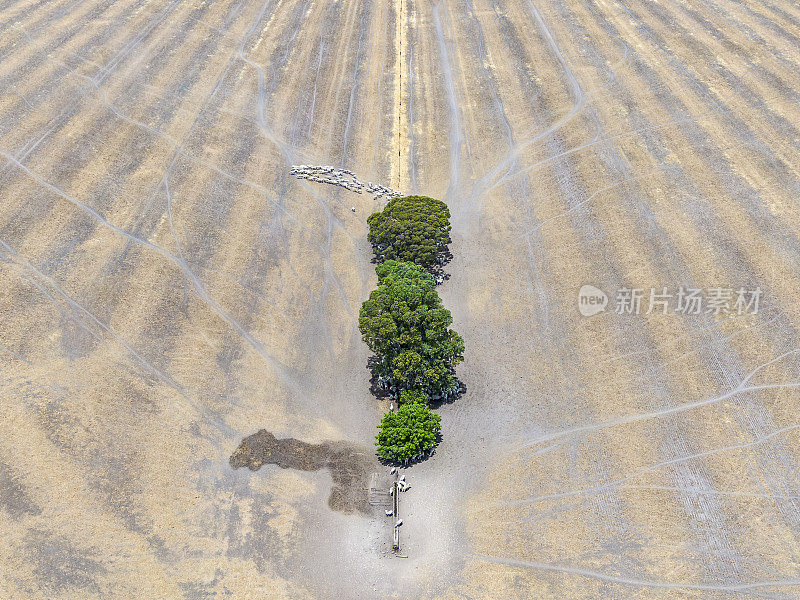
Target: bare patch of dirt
{"x":350,"y":465}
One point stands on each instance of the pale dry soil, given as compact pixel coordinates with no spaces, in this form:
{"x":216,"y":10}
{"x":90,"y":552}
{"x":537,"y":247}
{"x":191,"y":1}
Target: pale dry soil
{"x":168,"y":289}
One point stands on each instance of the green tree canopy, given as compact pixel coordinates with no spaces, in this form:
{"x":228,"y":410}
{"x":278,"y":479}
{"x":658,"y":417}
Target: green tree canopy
{"x":408,"y":433}
{"x":416,"y":396}
{"x":404,"y":323}
{"x":392,"y":270}
{"x":410,"y":228}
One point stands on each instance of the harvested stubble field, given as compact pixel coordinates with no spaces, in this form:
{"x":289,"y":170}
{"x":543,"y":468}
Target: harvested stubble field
{"x":168,"y":289}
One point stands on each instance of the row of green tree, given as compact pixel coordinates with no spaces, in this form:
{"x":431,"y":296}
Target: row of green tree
{"x":404,"y":323}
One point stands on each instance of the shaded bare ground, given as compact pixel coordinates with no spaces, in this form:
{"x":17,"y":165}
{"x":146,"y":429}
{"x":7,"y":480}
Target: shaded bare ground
{"x":350,"y":467}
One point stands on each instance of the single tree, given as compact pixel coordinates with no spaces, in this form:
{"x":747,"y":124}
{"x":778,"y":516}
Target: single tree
{"x":410,"y":228}
{"x":404,"y":323}
{"x":408,"y":433}
{"x":415,"y":396}
{"x":392,"y":270}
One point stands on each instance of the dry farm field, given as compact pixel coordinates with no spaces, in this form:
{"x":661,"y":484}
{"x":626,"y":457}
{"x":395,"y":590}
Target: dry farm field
{"x":168,"y":289}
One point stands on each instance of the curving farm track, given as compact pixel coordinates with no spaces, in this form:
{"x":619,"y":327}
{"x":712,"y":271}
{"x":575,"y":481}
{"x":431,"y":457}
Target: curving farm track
{"x":168,"y":288}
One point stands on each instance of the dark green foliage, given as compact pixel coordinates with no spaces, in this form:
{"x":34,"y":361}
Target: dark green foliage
{"x":416,"y":396}
{"x":404,"y":323}
{"x":411,"y":228}
{"x":408,"y":433}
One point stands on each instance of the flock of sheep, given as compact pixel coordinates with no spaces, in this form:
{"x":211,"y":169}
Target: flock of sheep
{"x":342,"y":178}
{"x":385,"y":383}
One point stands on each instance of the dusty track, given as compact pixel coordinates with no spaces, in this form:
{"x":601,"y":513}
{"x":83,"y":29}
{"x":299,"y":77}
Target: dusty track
{"x":168,"y":288}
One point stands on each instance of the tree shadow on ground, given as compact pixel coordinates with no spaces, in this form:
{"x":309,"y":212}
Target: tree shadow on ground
{"x":385,"y":393}
{"x":459,"y":390}
{"x":375,"y":388}
{"x":436,"y":269}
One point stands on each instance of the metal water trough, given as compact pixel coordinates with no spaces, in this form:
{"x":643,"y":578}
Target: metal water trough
{"x":396,"y":509}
